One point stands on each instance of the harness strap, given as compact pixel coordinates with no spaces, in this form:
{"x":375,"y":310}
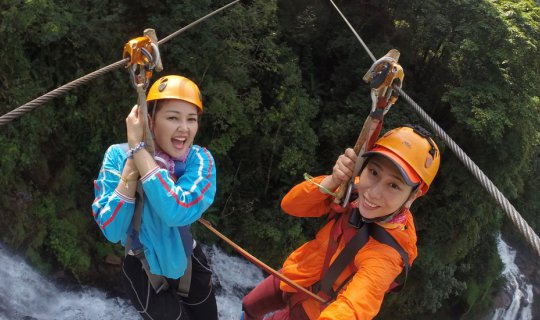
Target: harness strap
{"x":346,"y":257}
{"x":158,"y":282}
{"x":332,"y":242}
{"x":343,"y":260}
{"x":137,"y":217}
{"x":381,"y":235}
{"x":184,"y":283}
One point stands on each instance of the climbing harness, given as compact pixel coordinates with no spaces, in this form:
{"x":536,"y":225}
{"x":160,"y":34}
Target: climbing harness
{"x":522,"y":225}
{"x":382,"y":76}
{"x":356,"y":234}
{"x":349,"y":227}
{"x":142,"y":55}
{"x":144,"y":58}
{"x":356,"y":237}
{"x":135,"y":248}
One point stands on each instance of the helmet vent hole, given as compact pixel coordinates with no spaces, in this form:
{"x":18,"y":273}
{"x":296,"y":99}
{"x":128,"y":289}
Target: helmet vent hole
{"x":163,"y":85}
{"x":429,"y":161}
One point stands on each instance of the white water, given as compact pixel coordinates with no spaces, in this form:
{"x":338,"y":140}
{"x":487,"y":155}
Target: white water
{"x":517,"y":287}
{"x":26,"y":295}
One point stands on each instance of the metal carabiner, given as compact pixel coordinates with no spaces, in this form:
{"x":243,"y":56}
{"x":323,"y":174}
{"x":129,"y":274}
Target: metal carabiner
{"x":143,"y":56}
{"x":382,"y":76}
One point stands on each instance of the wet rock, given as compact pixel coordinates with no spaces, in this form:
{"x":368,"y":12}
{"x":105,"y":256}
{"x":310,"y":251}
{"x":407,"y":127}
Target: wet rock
{"x":503,"y":299}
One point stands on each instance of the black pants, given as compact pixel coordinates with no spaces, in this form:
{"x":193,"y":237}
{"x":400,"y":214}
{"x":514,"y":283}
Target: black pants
{"x":199,"y":305}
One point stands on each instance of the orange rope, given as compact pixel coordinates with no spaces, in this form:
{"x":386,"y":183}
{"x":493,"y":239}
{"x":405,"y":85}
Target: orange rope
{"x":260,"y":263}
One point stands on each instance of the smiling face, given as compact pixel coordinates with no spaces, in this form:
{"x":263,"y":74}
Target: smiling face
{"x":381,"y":189}
{"x":174,"y":127}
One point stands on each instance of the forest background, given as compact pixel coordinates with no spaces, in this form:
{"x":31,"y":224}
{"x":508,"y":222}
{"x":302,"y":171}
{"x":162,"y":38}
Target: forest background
{"x":281,"y":84}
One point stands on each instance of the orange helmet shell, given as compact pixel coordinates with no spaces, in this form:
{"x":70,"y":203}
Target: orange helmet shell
{"x":414,"y":153}
{"x":176,"y":87}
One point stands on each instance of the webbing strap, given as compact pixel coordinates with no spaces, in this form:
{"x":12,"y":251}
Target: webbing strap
{"x":345,"y":257}
{"x":137,"y":217}
{"x":381,"y":235}
{"x":352,"y":247}
{"x":158,"y":282}
{"x":332,"y":243}
{"x":184,"y":283}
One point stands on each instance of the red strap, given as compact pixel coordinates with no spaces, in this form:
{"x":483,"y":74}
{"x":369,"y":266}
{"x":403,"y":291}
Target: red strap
{"x":333,"y":241}
{"x":374,"y":136}
{"x":335,"y":208}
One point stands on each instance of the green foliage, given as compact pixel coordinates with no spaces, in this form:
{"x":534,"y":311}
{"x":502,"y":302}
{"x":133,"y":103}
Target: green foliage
{"x":62,"y":242}
{"x":283,"y":95}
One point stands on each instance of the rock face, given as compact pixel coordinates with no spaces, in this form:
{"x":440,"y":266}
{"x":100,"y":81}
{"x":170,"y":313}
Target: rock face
{"x":503,"y":299}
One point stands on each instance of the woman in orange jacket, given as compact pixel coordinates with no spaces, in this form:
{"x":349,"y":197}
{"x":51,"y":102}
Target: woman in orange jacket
{"x":398,"y":169}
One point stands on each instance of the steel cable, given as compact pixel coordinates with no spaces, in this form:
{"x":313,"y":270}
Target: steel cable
{"x":508,"y":208}
{"x":27,"y":107}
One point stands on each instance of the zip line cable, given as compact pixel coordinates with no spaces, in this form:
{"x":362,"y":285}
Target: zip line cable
{"x":18,"y":112}
{"x":355,"y":33}
{"x":512,"y":213}
{"x":174,"y":34}
{"x":510,"y":210}
{"x":29,"y":106}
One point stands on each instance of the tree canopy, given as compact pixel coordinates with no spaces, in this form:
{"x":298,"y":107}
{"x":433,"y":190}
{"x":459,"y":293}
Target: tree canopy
{"x":283,"y":95}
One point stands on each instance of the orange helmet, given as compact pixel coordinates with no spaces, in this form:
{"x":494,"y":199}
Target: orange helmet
{"x":176,"y":87}
{"x":414,"y":153}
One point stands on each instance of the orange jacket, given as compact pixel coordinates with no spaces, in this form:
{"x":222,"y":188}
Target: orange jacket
{"x":378,"y":264}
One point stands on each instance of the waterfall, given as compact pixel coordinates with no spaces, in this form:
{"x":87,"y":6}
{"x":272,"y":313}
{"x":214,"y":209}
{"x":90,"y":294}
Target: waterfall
{"x":517,"y":287}
{"x":27,"y":295}
{"x":236,"y":276}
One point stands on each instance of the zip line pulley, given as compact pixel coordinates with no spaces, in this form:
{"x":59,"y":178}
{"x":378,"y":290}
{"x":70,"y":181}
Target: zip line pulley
{"x":144,"y":58}
{"x":522,"y":225}
{"x":381,"y":76}
{"x":60,"y":91}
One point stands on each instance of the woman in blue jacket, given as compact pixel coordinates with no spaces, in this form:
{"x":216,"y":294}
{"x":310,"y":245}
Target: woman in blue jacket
{"x":165,"y":271}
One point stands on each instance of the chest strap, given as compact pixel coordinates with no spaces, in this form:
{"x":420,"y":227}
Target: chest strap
{"x":347,"y":255}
